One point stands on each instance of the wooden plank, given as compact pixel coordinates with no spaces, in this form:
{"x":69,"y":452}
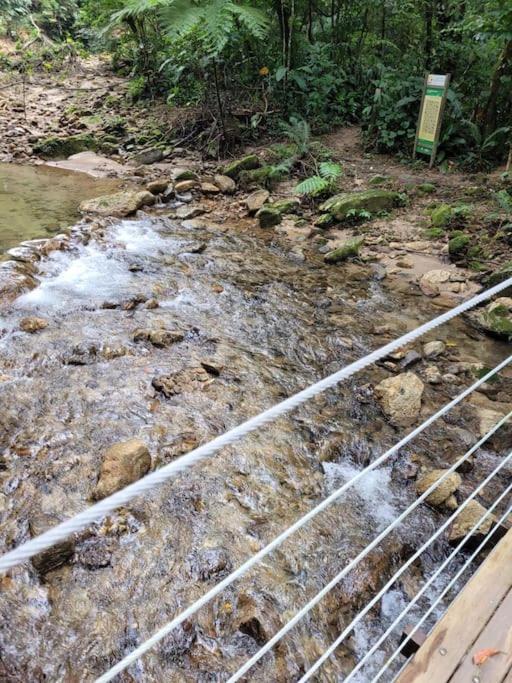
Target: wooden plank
{"x":497,"y":634}
{"x":456,"y":632}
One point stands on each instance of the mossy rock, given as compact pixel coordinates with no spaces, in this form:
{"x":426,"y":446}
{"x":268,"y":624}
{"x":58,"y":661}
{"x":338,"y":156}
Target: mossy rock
{"x":426,"y":188}
{"x":348,"y":250}
{"x":378,"y":180}
{"x":458,"y":244}
{"x":248,"y":163}
{"x":186,"y":175}
{"x":286,"y":205}
{"x":372,"y":201}
{"x":495,"y":318}
{"x":500,"y":275}
{"x":62,"y":148}
{"x":441,"y":216}
{"x":434,"y":233}
{"x":324,"y":221}
{"x":268,"y":217}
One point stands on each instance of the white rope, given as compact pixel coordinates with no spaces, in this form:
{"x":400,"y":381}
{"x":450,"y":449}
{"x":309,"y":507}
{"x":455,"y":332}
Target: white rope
{"x":222,"y":585}
{"x":445,"y":590}
{"x":430,"y":581}
{"x":150,"y":481}
{"x":321,"y":594}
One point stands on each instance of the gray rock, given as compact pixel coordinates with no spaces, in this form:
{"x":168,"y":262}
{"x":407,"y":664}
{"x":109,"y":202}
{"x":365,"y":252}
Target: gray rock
{"x":120,"y":204}
{"x":225,"y":184}
{"x":148,"y":156}
{"x":256,"y":200}
{"x":433,"y":349}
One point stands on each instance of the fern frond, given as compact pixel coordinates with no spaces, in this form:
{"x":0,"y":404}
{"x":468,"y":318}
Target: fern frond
{"x":252,"y":18}
{"x":180,"y":17}
{"x":312,"y":186}
{"x":330,"y":171}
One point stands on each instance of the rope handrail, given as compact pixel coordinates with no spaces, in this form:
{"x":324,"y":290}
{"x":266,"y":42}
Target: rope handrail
{"x":322,"y":593}
{"x":430,"y":581}
{"x":167,"y":628}
{"x":445,"y":590}
{"x":399,"y":573}
{"x":95,"y":512}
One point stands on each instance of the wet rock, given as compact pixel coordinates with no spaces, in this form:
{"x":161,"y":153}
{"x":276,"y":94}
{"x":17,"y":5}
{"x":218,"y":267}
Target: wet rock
{"x":122,"y":464}
{"x":248,"y":163}
{"x":186,"y":380}
{"x":81,"y":354}
{"x":24,"y":254}
{"x":148,"y":156}
{"x":225,"y":184}
{"x":158,"y":186}
{"x":188,"y":212}
{"x":177,"y":643}
{"x":372,"y":201}
{"x":94,"y":553}
{"x":268,"y":217}
{"x":159,"y":337}
{"x":347,"y":250}
{"x":445,"y":489}
{"x":151,"y":304}
{"x":208,"y":563}
{"x":15,"y":279}
{"x":256,"y":200}
{"x":53,"y":557}
{"x":433,"y":349}
{"x":120,"y":204}
{"x":441,"y":282}
{"x":495,"y":319}
{"x":400,"y":398}
{"x":209,"y":188}
{"x":410,"y":358}
{"x":467,"y":519}
{"x":32,"y":325}
{"x":185,"y":186}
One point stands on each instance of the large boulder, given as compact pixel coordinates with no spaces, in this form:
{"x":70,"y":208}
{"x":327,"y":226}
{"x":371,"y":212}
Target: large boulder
{"x":64,"y":147}
{"x":400,"y":398}
{"x":444,"y":491}
{"x":373,"y":201}
{"x":123,"y":463}
{"x":120,"y":204}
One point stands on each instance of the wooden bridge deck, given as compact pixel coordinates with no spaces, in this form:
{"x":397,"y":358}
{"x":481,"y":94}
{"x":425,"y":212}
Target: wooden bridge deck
{"x":479,"y":622}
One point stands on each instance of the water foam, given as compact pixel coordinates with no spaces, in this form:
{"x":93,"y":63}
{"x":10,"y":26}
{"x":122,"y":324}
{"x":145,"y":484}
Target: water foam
{"x":91,"y":274}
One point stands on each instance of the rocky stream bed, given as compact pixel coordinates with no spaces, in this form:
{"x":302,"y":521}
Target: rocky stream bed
{"x":168,"y":328}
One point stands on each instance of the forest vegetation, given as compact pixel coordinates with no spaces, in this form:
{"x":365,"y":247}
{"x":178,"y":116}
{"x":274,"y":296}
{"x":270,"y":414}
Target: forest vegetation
{"x":248,"y":69}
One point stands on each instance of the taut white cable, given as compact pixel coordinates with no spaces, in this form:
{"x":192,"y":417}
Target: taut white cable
{"x":445,"y":590}
{"x":321,"y":594}
{"x":192,"y":609}
{"x":150,"y":481}
{"x":428,"y":583}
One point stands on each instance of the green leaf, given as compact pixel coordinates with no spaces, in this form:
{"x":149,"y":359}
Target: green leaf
{"x":330,"y":170}
{"x":312,"y":186}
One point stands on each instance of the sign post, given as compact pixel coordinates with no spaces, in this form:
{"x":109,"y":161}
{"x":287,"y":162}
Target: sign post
{"x":433,"y":102}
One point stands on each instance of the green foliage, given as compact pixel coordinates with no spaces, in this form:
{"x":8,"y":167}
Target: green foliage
{"x":322,"y":183}
{"x":504,"y":200}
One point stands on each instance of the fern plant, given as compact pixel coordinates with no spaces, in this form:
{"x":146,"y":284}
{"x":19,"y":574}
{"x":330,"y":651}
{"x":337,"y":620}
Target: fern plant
{"x":325,"y":181}
{"x":299,"y":133}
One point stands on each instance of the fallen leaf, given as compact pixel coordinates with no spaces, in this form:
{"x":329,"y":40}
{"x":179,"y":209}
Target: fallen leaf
{"x":483,"y":655}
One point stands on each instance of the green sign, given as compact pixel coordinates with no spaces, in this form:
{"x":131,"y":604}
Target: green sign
{"x":431,"y":113}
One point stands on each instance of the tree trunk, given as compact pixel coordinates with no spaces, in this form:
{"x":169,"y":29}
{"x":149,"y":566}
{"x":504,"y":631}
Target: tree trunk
{"x":429,"y":16}
{"x":489,"y":115}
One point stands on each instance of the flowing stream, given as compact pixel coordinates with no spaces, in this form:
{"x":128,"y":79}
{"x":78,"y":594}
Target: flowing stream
{"x":258,"y":325}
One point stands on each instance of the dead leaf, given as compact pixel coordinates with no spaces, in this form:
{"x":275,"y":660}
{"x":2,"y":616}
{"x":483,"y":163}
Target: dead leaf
{"x":483,"y":655}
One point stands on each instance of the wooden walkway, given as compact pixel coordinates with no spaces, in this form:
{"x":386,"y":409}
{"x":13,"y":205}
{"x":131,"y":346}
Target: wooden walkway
{"x":478,"y":623}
